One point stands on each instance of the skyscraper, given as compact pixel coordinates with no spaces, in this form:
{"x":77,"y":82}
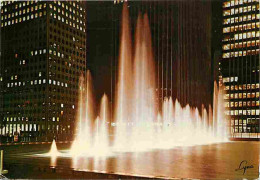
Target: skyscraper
{"x":239,"y":66}
{"x":43,"y":50}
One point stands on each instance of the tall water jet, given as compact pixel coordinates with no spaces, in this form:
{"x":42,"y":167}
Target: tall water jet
{"x":89,"y":110}
{"x":124,"y":84}
{"x":219,"y":119}
{"x":101,"y":143}
{"x":85,"y":115}
{"x":144,"y":86}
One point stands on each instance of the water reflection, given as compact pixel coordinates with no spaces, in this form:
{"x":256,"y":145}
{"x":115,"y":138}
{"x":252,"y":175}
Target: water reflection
{"x":205,"y":161}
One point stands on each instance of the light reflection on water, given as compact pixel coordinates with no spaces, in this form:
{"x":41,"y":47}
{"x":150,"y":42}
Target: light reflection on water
{"x":205,"y":161}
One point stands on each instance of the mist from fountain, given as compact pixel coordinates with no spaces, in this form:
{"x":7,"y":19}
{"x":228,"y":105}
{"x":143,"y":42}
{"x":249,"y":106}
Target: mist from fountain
{"x":101,"y":127}
{"x":139,"y":125}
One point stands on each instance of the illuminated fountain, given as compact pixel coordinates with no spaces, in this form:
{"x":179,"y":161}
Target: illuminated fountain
{"x":139,"y":125}
{"x":54,"y":151}
{"x":101,"y":128}
{"x":92,"y":135}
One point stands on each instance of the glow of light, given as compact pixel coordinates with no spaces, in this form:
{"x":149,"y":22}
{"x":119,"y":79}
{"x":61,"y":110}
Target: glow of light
{"x":53,"y":151}
{"x":139,"y":125}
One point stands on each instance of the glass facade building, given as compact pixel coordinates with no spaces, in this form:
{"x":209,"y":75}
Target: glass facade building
{"x":43,"y":53}
{"x":239,"y":66}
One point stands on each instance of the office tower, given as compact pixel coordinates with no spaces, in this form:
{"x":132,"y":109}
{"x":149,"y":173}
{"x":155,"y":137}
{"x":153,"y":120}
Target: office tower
{"x":239,"y":66}
{"x":181,"y":39}
{"x":42,"y":56}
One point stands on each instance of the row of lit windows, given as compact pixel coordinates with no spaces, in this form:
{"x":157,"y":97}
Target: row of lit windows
{"x":240,"y":10}
{"x":22,"y":19}
{"x":242,"y":112}
{"x":245,"y":129}
{"x":240,"y":121}
{"x":31,"y":9}
{"x":11,"y":129}
{"x":58,"y":83}
{"x":242,"y":87}
{"x":237,"y":2}
{"x":240,"y":36}
{"x":242,"y":104}
{"x":241,"y":18}
{"x":246,"y":35}
{"x":15,"y":84}
{"x":67,"y":14}
{"x":241,"y":45}
{"x":55,"y":53}
{"x":66,"y":6}
{"x":35,"y":82}
{"x":242,"y":27}
{"x":27,"y":3}
{"x":59,"y":17}
{"x":230,"y":79}
{"x":62,"y":19}
{"x":240,"y":53}
{"x":36,"y":52}
{"x":22,"y":12}
{"x":241,"y":95}
{"x":23,"y":5}
{"x":26,"y":118}
{"x":67,"y":22}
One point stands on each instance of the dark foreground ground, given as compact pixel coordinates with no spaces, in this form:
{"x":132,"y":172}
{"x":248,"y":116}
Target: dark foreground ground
{"x":19,"y":171}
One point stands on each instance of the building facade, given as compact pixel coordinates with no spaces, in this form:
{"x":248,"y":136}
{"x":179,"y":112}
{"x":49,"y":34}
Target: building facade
{"x":239,"y":66}
{"x":43,"y":53}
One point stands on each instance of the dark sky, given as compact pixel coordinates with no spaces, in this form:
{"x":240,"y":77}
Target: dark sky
{"x":100,"y":39}
{"x":99,"y":44}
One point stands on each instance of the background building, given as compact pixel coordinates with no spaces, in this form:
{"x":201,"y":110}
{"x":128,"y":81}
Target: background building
{"x":43,"y":53}
{"x":239,"y":67}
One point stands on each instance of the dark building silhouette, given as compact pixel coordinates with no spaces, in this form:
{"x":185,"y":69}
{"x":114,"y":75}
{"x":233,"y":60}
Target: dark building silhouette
{"x":43,"y":53}
{"x":239,"y":66}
